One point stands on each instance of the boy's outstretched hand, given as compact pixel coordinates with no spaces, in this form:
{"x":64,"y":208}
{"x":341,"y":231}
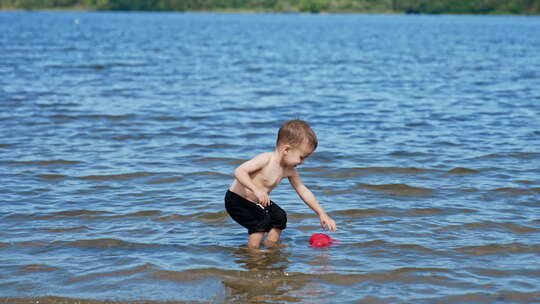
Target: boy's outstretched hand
{"x":328,"y":223}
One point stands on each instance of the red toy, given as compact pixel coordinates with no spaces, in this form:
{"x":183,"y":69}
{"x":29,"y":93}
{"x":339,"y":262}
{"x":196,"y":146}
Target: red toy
{"x":321,"y":240}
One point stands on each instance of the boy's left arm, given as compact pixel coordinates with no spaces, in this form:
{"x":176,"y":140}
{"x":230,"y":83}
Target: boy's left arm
{"x":309,"y":198}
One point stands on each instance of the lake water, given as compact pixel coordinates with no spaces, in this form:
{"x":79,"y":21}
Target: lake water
{"x":120,"y":132}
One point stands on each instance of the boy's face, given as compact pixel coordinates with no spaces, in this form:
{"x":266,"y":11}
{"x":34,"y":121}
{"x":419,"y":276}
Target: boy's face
{"x":295,"y":156}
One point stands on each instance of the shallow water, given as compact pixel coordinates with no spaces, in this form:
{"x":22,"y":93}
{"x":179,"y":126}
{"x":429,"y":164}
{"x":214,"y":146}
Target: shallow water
{"x":120,"y":132}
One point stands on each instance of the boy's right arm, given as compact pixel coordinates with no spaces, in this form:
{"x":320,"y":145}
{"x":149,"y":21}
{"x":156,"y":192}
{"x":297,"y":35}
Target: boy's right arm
{"x":242,"y":175}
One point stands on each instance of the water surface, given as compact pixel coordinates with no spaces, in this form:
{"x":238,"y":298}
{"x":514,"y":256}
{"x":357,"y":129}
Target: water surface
{"x":120,"y":132}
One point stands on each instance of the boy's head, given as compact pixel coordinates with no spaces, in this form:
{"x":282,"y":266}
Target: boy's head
{"x":296,"y":132}
{"x":296,"y":141}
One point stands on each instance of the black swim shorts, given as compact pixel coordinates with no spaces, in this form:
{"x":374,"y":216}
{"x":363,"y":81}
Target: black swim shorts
{"x":252,"y":216}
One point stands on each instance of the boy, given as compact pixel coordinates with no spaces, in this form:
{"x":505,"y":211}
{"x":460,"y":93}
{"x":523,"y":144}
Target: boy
{"x":247,"y":200}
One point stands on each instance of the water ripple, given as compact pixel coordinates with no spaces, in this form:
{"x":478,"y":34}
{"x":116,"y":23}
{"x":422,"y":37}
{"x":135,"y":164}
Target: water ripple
{"x":121,"y":133}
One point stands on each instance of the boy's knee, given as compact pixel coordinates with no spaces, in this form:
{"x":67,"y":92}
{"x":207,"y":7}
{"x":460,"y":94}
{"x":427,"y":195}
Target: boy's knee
{"x":269,"y":243}
{"x":254,"y":240}
{"x":273,"y":237}
{"x":253,"y":246}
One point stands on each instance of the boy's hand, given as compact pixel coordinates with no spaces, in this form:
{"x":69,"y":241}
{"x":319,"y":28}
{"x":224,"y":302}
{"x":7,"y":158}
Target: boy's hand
{"x":263,"y":198}
{"x":328,"y":223}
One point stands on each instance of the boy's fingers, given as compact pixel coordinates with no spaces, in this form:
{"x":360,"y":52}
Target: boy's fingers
{"x":332,"y":227}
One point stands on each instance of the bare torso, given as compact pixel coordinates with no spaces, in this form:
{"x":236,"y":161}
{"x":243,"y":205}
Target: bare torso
{"x":265,"y":179}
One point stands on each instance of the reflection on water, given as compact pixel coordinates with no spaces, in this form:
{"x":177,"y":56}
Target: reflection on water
{"x":266,"y":276}
{"x":268,"y":279}
{"x":273,"y":259}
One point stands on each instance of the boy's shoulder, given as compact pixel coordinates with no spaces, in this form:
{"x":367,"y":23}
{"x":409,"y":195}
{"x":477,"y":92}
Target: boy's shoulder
{"x":261,"y":159}
{"x":265,"y":159}
{"x":264,"y":155}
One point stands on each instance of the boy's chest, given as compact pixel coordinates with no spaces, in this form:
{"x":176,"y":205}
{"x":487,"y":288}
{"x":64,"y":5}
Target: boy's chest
{"x":271,"y":177}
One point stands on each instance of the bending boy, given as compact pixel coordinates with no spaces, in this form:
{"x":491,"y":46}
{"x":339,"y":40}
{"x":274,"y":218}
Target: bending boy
{"x":247,"y":201}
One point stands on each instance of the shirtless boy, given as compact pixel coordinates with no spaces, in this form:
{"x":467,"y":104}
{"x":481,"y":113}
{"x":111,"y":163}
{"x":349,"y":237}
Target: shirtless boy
{"x":247,"y":201}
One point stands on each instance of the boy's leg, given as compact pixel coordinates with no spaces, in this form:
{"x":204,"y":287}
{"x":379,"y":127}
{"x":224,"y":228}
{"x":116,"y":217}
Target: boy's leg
{"x":272,"y":238}
{"x":278,"y":223}
{"x":255,"y":240}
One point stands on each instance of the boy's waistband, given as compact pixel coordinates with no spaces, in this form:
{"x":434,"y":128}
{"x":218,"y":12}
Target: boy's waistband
{"x":236,"y":197}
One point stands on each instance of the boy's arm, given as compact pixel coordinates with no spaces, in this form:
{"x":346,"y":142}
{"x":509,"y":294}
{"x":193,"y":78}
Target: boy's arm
{"x":242,"y":175}
{"x":309,"y":198}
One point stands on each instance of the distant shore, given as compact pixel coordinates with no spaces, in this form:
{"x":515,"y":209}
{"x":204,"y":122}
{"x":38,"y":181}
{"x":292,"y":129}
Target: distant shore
{"x":251,"y":11}
{"x":443,"y":7}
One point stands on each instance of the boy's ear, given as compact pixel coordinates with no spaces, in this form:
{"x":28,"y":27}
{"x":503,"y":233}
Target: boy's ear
{"x":285,"y":148}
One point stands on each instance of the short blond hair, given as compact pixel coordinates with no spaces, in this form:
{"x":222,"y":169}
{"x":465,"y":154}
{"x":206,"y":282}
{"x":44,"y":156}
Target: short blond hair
{"x":295,"y":132}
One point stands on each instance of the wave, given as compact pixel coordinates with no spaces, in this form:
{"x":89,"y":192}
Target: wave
{"x":354,"y":172}
{"x":87,"y":214}
{"x":56,"y":105}
{"x":391,"y":245}
{"x":265,"y":93}
{"x":391,"y":212}
{"x":157,"y":215}
{"x":511,"y":227}
{"x":56,"y":215}
{"x":134,"y":137}
{"x":490,"y":249}
{"x":129,"y":271}
{"x":253,"y":69}
{"x":228,"y":160}
{"x":338,"y":192}
{"x":512,"y":191}
{"x":65,"y":300}
{"x":104,"y":243}
{"x":37,"y":268}
{"x":68,"y":229}
{"x":52,"y":162}
{"x":460,"y":170}
{"x":144,"y":213}
{"x":165,"y":180}
{"x":363,"y":213}
{"x":534,"y":273}
{"x":407,"y":154}
{"x":164,"y":118}
{"x":173,"y":217}
{"x":211,"y":174}
{"x":210,"y":146}
{"x":520,"y":155}
{"x":194,"y":274}
{"x":210,"y":216}
{"x":434,"y":276}
{"x":413,"y":212}
{"x":51,"y":176}
{"x":499,"y":297}
{"x":92,"y":116}
{"x":114,"y":177}
{"x":237,"y":109}
{"x":96,"y":66}
{"x":302,"y":215}
{"x":399,"y":189}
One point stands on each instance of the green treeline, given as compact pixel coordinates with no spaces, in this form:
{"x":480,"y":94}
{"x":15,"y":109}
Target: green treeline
{"x":313,"y":6}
